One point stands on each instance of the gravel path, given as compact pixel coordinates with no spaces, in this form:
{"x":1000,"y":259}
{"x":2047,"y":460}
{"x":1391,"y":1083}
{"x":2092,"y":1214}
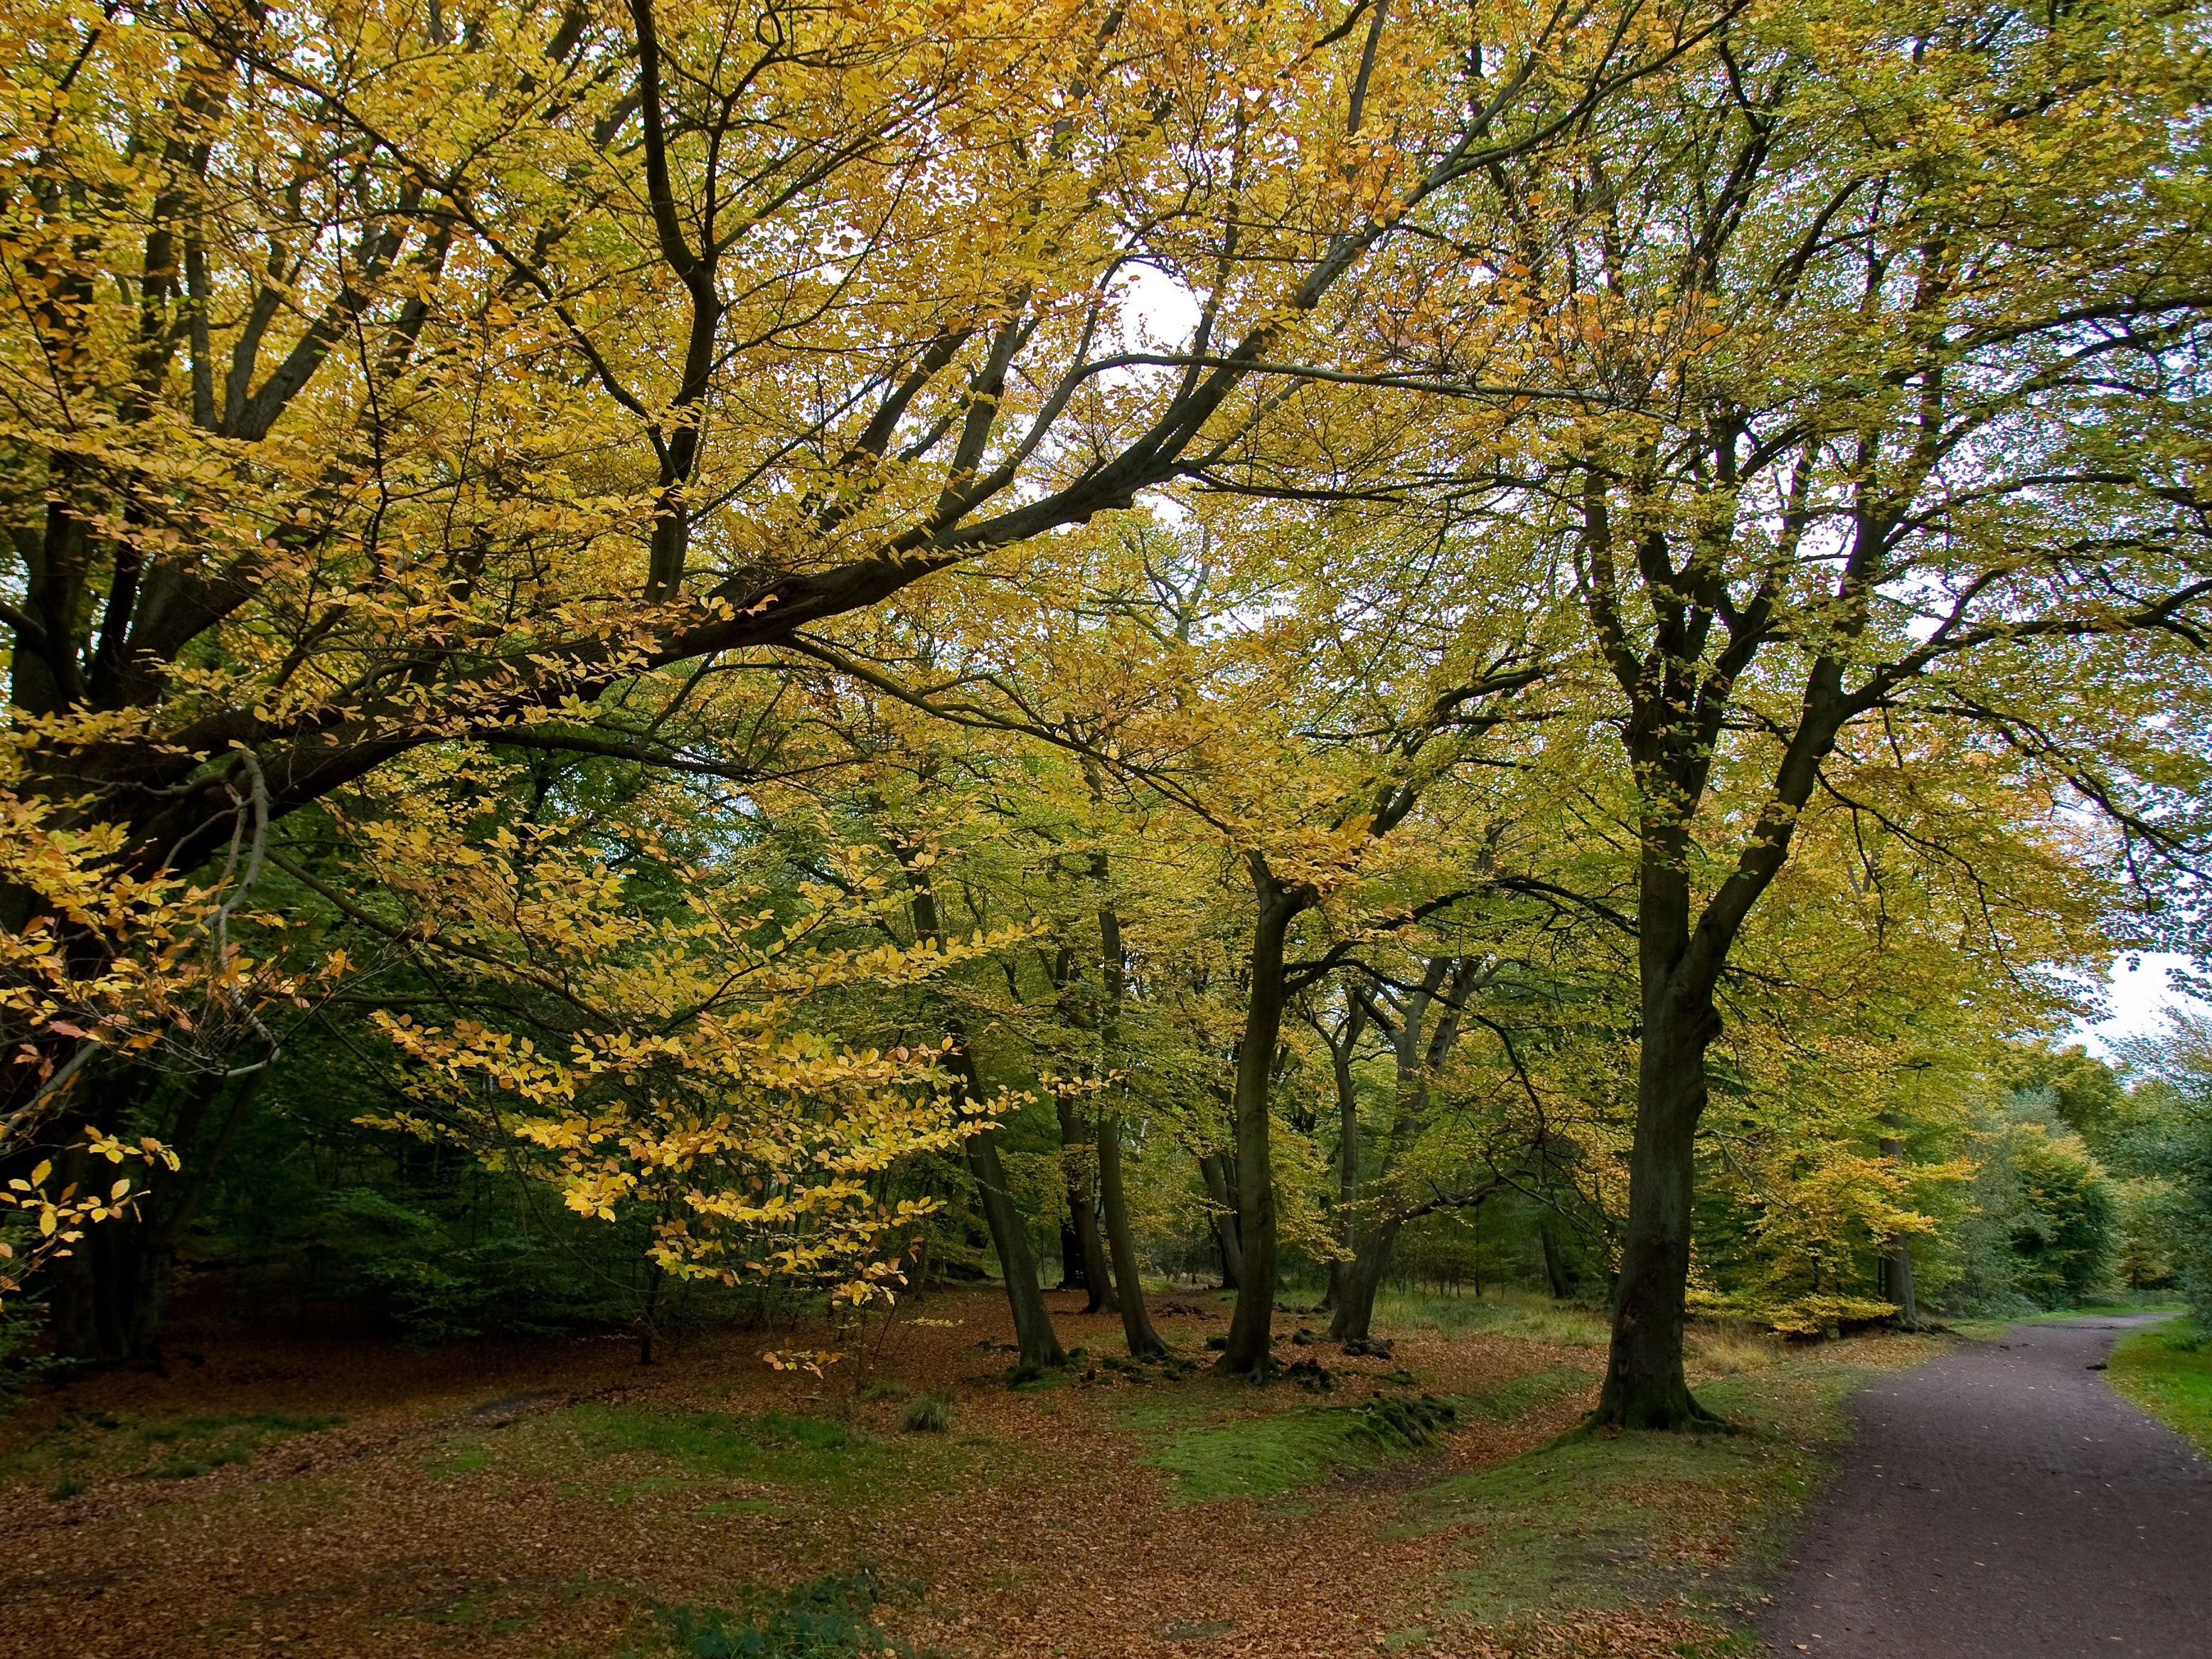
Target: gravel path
{"x":2002,"y":1503}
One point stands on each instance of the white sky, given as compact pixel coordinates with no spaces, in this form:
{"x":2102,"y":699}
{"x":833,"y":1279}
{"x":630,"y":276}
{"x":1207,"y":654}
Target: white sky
{"x":2136,"y":1001}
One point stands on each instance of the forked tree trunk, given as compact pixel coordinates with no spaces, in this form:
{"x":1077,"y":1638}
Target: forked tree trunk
{"x":1358,"y":1279}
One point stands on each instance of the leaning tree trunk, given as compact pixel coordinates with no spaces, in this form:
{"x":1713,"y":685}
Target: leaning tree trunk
{"x":1136,"y":1319}
{"x":1644,"y":1387}
{"x":1213,"y":1167}
{"x":1037,"y":1345}
{"x":1251,"y":1327}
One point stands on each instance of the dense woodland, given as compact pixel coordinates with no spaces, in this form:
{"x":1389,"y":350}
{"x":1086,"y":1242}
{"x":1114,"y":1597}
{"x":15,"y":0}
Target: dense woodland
{"x":696,"y":663}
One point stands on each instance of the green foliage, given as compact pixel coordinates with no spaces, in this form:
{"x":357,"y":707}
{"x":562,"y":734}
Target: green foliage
{"x":2064,"y":1229}
{"x":2167,"y":1370}
{"x":2044,"y":1228}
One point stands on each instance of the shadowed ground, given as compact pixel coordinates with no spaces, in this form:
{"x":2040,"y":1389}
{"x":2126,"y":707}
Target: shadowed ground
{"x":2002,"y":1503}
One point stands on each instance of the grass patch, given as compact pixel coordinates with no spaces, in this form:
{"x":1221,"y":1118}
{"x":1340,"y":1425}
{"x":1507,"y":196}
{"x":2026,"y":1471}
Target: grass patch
{"x":1597,"y":1522}
{"x":1250,"y":1456}
{"x":1510,"y":1401}
{"x":1495,"y":1313}
{"x":2108,"y":1306}
{"x":2167,"y":1370}
{"x":828,"y":1619}
{"x":155,"y":1449}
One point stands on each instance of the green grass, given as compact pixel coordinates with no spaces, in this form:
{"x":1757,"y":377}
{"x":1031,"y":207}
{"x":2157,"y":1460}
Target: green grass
{"x":1510,"y":1402}
{"x":81,"y":1449}
{"x":1597,"y":1520}
{"x":2167,"y":1370}
{"x":1496,"y":1313}
{"x":1257,"y":1455}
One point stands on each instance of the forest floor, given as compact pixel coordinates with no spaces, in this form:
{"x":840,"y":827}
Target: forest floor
{"x":556,"y":1501}
{"x":2005,"y":1503}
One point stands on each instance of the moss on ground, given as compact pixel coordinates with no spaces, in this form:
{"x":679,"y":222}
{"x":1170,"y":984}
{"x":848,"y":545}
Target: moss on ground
{"x":1256,"y":1456}
{"x":2167,"y":1370}
{"x":1598,"y":1521}
{"x":78,"y":1450}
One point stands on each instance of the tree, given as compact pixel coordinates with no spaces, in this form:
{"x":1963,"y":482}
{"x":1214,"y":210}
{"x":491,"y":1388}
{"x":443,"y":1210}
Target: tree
{"x":1864,"y":406}
{"x":379,"y":379}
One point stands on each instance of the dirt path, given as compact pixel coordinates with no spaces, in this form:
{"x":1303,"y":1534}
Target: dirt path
{"x":2002,"y":1503}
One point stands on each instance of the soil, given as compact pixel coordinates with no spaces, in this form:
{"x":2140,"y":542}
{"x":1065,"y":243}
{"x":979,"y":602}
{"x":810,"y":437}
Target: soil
{"x":2003,"y":1503}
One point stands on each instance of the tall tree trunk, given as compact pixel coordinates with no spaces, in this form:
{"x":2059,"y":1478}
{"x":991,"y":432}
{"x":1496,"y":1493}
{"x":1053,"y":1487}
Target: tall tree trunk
{"x":1898,"y":1264}
{"x":1644,"y":1387}
{"x":1555,"y":1267}
{"x":1087,"y":1271}
{"x":1213,"y":1166}
{"x":1037,"y":1345}
{"x":1347,"y":1158}
{"x":112,"y":1307}
{"x":1251,"y":1327}
{"x":1113,"y":967}
{"x":1136,"y":1319}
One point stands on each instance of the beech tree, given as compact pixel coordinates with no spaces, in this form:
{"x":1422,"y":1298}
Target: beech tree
{"x":1867,"y":402}
{"x":380,"y":377}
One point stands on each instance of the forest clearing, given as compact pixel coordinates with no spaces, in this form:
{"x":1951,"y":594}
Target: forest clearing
{"x":554,"y":1499}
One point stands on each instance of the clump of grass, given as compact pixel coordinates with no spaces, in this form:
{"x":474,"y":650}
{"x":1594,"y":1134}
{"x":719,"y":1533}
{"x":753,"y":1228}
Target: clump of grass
{"x":1727,"y":1350}
{"x":69,"y":1486}
{"x":2167,"y":1370}
{"x":928,"y":1413}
